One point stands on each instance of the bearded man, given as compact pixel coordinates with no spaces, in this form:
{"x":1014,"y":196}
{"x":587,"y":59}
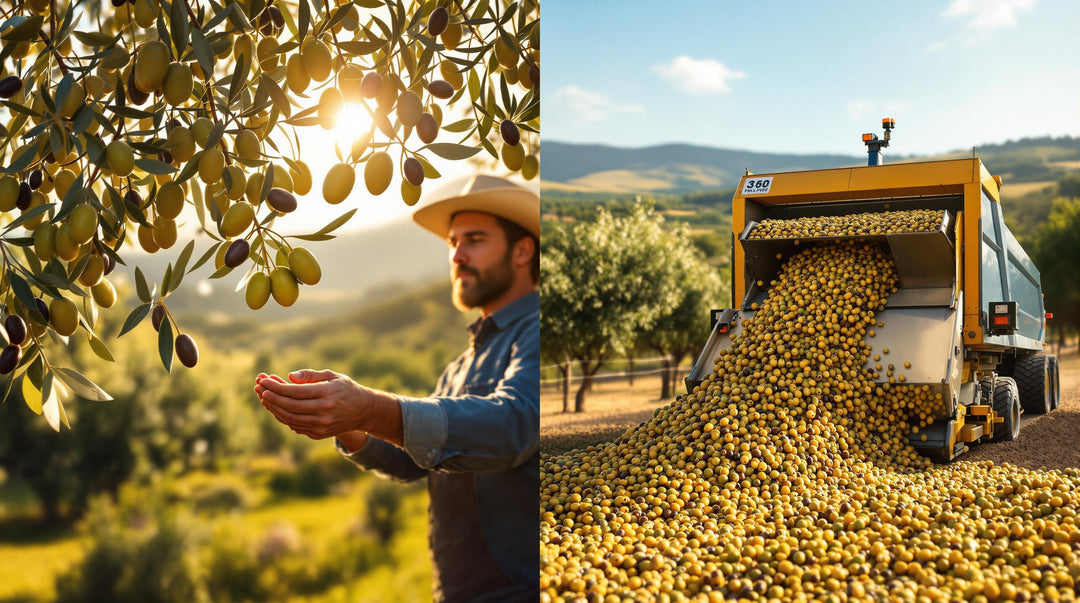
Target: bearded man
{"x":476,"y":438}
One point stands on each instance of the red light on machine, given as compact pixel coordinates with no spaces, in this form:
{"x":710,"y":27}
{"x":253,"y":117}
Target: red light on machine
{"x":723,"y":328}
{"x":1002,"y":318}
{"x":1049,"y":315}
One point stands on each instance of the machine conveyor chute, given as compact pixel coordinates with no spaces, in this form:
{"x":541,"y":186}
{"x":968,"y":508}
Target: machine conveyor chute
{"x":924,"y":260}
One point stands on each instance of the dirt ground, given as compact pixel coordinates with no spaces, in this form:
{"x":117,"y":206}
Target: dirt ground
{"x":610,"y":409}
{"x":1051,"y":441}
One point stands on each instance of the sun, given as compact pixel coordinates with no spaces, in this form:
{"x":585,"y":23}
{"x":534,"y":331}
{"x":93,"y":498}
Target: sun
{"x":353,"y":122}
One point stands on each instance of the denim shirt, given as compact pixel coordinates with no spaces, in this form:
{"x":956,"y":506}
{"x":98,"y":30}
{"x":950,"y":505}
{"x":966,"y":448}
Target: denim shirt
{"x":476,"y":439}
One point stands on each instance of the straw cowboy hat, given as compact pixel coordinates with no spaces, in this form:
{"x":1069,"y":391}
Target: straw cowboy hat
{"x":488,"y":194}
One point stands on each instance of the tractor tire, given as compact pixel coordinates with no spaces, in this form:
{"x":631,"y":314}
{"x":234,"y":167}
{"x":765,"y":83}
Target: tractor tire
{"x":986,"y":391}
{"x":1034,"y":381}
{"x":1007,"y":406}
{"x":1055,"y":383}
{"x":1007,"y":366}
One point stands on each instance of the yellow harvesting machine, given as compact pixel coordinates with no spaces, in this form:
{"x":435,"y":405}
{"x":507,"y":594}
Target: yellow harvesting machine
{"x":968,"y":314}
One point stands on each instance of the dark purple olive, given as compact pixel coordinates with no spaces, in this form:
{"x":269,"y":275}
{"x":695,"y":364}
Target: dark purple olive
{"x":281,"y":200}
{"x":371,"y":84}
{"x":136,"y":96}
{"x":9,"y":358}
{"x":186,"y":350}
{"x":427,"y":128}
{"x":237,"y":253}
{"x":16,"y":329}
{"x":414,"y":171}
{"x":110,"y":264}
{"x":440,"y":89}
{"x":438,"y":21}
{"x":10,"y":86}
{"x":509,"y":132}
{"x":23,"y":202}
{"x":157,"y":316}
{"x":42,"y":307}
{"x":133,"y":199}
{"x":276,"y":17}
{"x":35,"y":179}
{"x":266,"y":23}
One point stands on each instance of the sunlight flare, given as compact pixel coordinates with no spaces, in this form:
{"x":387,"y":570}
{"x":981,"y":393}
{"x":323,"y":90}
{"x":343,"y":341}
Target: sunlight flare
{"x":353,"y":122}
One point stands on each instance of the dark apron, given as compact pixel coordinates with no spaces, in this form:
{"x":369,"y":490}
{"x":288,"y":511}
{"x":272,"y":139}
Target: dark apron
{"x":465,"y":570}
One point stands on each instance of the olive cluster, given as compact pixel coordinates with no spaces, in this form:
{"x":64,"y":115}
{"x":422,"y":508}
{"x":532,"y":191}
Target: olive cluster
{"x":123,"y":120}
{"x":869,"y":223}
{"x":61,"y":315}
{"x":176,"y":122}
{"x":787,"y":475}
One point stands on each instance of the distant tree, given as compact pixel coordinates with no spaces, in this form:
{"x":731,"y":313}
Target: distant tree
{"x":382,"y":510}
{"x":63,"y":470}
{"x":1069,"y":186}
{"x":711,"y":243}
{"x":148,"y":553}
{"x":682,"y":329}
{"x":615,"y":271}
{"x":710,"y":198}
{"x":153,"y":424}
{"x":1057,"y":254}
{"x":557,"y":295}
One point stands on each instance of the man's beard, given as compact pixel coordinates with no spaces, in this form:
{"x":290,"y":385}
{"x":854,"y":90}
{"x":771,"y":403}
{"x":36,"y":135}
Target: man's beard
{"x":486,"y":287}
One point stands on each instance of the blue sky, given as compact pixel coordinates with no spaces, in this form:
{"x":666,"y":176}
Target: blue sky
{"x":810,"y":77}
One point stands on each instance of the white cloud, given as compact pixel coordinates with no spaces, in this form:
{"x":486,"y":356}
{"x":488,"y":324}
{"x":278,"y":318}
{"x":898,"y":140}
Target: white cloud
{"x":988,"y":14}
{"x":592,"y":106}
{"x":698,"y":75}
{"x":983,"y":17}
{"x":860,"y":110}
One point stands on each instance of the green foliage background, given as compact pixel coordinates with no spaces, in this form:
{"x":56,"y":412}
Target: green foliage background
{"x":191,"y":467}
{"x":624,"y":276}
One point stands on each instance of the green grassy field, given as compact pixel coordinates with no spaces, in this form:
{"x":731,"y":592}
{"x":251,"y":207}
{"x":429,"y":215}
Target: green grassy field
{"x":406,"y":577}
{"x":29,"y":565}
{"x":28,"y":570}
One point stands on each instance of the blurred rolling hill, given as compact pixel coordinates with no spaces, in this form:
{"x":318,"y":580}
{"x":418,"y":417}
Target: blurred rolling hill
{"x":358,"y":267}
{"x":671,"y":168}
{"x":679,"y":168}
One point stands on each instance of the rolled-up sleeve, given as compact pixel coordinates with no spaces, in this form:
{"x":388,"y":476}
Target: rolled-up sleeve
{"x":384,"y":459}
{"x":481,"y":433}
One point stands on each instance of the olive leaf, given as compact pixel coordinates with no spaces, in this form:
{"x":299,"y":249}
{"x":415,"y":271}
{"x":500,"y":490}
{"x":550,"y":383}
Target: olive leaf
{"x":31,"y":395}
{"x":21,"y":28}
{"x":141,"y":286}
{"x":165,"y":344}
{"x":102,"y":350}
{"x":153,"y":166}
{"x":81,"y":385}
{"x":449,"y":150}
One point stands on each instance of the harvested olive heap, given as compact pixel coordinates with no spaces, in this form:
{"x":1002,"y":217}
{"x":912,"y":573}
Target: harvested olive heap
{"x":871,"y":223}
{"x":787,"y":476}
